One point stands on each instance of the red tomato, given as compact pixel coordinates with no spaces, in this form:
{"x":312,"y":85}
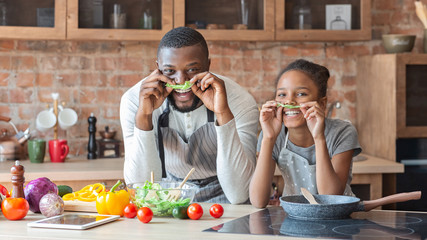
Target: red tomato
{"x":144,"y":214}
{"x":130,"y":210}
{"x":195,"y":211}
{"x":216,"y":211}
{"x":15,"y":208}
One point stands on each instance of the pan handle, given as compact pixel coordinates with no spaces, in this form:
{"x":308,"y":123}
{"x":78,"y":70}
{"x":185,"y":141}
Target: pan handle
{"x":400,"y":197}
{"x":6,"y":119}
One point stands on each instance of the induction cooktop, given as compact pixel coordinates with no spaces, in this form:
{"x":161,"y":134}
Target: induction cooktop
{"x":367,"y":225}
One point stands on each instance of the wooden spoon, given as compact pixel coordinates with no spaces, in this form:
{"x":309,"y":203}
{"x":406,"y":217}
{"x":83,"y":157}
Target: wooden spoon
{"x":307,"y":194}
{"x":420,"y":10}
{"x":174,"y":194}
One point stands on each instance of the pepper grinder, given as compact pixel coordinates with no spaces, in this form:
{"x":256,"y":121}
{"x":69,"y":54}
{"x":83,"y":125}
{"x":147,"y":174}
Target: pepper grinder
{"x":91,"y":146}
{"x":18,"y":180}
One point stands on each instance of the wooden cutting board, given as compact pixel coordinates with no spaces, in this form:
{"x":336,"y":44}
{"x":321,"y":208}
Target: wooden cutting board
{"x":79,"y":206}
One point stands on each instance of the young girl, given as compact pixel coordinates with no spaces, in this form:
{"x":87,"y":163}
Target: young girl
{"x":311,"y":151}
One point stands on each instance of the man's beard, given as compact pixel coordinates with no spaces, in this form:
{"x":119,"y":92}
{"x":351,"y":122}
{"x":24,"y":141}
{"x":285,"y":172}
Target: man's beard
{"x":193,"y":106}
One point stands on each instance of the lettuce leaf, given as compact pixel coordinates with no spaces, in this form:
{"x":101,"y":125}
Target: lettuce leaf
{"x":184,"y":86}
{"x":147,"y":196}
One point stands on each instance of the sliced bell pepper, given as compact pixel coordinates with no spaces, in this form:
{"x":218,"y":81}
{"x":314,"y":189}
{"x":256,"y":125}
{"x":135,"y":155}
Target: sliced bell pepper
{"x":86,"y":194}
{"x":112,"y":203}
{"x":3,"y":191}
{"x":287,"y":106}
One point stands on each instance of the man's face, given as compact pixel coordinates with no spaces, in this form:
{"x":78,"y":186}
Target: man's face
{"x":180,"y":65}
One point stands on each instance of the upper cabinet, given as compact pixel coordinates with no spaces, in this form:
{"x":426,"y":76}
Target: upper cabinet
{"x":119,"y":20}
{"x":225,"y":20}
{"x":323,"y":20}
{"x":217,"y":20}
{"x":34,"y":19}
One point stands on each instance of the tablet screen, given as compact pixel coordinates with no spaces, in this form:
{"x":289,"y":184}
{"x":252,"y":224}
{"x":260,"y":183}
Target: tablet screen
{"x":74,"y":221}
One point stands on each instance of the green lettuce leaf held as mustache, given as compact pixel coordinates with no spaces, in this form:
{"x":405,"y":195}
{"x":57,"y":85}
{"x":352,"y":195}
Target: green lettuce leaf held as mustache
{"x":287,"y":106}
{"x":184,"y":86}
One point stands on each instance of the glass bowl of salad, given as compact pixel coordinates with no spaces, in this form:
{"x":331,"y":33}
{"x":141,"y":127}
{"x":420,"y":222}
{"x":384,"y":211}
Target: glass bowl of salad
{"x":157,"y":196}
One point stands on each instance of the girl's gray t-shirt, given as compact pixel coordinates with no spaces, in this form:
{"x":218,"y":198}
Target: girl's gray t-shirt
{"x":341,"y":136}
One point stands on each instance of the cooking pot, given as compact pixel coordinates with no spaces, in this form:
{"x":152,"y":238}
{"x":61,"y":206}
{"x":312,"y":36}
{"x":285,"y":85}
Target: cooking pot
{"x":12,"y":147}
{"x":337,"y":206}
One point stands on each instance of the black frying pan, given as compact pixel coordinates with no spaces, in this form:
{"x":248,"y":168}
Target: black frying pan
{"x":337,"y":206}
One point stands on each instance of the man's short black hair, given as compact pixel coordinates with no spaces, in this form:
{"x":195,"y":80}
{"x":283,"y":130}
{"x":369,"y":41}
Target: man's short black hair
{"x":318,"y":73}
{"x":183,"y":37}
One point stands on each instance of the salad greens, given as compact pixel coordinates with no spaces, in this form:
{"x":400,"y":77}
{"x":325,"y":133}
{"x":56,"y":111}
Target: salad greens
{"x":184,"y":86}
{"x":148,"y":196}
{"x":287,"y":106}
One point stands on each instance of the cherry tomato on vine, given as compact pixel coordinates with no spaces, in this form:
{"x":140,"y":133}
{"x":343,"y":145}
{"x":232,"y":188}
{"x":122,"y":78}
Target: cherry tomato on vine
{"x":144,"y":214}
{"x":130,"y":210}
{"x":15,"y":208}
{"x":216,"y":211}
{"x":195,"y":211}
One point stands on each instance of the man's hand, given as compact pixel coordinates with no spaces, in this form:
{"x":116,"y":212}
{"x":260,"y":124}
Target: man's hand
{"x":152,"y":94}
{"x":211,"y":91}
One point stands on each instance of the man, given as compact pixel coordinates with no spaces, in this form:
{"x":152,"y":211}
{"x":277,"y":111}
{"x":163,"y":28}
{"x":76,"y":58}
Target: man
{"x":212,"y":126}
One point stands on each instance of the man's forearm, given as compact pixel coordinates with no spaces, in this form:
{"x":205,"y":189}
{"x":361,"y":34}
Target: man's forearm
{"x":141,"y":157}
{"x":235,"y":162}
{"x":144,"y":121}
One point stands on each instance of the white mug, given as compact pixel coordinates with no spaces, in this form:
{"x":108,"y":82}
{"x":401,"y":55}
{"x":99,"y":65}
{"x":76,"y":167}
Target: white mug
{"x":67,"y":118}
{"x":45,"y":120}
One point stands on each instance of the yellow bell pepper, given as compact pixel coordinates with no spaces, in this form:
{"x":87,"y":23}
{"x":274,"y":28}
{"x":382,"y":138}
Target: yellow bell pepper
{"x":112,"y":203}
{"x":87,"y":194}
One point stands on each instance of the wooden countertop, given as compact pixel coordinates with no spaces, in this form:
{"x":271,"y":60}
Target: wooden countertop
{"x":71,"y":169}
{"x":112,"y":168}
{"x":158,"y":228}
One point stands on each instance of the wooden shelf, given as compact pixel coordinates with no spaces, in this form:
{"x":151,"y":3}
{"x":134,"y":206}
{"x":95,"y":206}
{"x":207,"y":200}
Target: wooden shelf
{"x":288,"y":34}
{"x":266,"y":31}
{"x":267,"y":23}
{"x":74,"y":32}
{"x":31,"y":31}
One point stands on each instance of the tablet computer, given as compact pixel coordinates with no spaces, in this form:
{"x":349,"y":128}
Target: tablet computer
{"x":74,"y":221}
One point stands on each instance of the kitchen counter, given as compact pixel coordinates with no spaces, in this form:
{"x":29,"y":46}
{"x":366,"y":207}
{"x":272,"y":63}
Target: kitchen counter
{"x":79,"y":172}
{"x":158,"y":228}
{"x":176,"y":229}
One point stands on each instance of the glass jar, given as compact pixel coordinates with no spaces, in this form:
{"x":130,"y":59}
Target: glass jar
{"x":3,"y":13}
{"x":147,"y":19}
{"x":302,"y":15}
{"x":118,"y":17}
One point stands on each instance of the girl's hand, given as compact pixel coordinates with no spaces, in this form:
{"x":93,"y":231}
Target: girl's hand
{"x":271,"y":118}
{"x":315,"y":117}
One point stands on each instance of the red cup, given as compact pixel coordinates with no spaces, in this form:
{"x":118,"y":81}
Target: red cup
{"x":58,"y":150}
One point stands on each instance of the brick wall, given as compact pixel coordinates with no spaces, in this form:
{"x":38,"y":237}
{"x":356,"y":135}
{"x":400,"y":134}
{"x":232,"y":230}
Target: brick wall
{"x":92,"y":76}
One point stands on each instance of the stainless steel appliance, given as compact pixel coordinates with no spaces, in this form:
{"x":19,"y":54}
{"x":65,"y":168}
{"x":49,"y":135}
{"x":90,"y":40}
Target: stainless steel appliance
{"x":361,"y":225}
{"x":412,"y":152}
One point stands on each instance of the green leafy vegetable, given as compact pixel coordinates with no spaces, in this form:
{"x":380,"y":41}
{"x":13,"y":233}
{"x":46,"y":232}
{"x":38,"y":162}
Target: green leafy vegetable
{"x":153,"y":196}
{"x":184,"y":86}
{"x":287,"y":106}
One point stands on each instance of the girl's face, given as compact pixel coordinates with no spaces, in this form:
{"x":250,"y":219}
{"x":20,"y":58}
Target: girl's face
{"x":295,"y":87}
